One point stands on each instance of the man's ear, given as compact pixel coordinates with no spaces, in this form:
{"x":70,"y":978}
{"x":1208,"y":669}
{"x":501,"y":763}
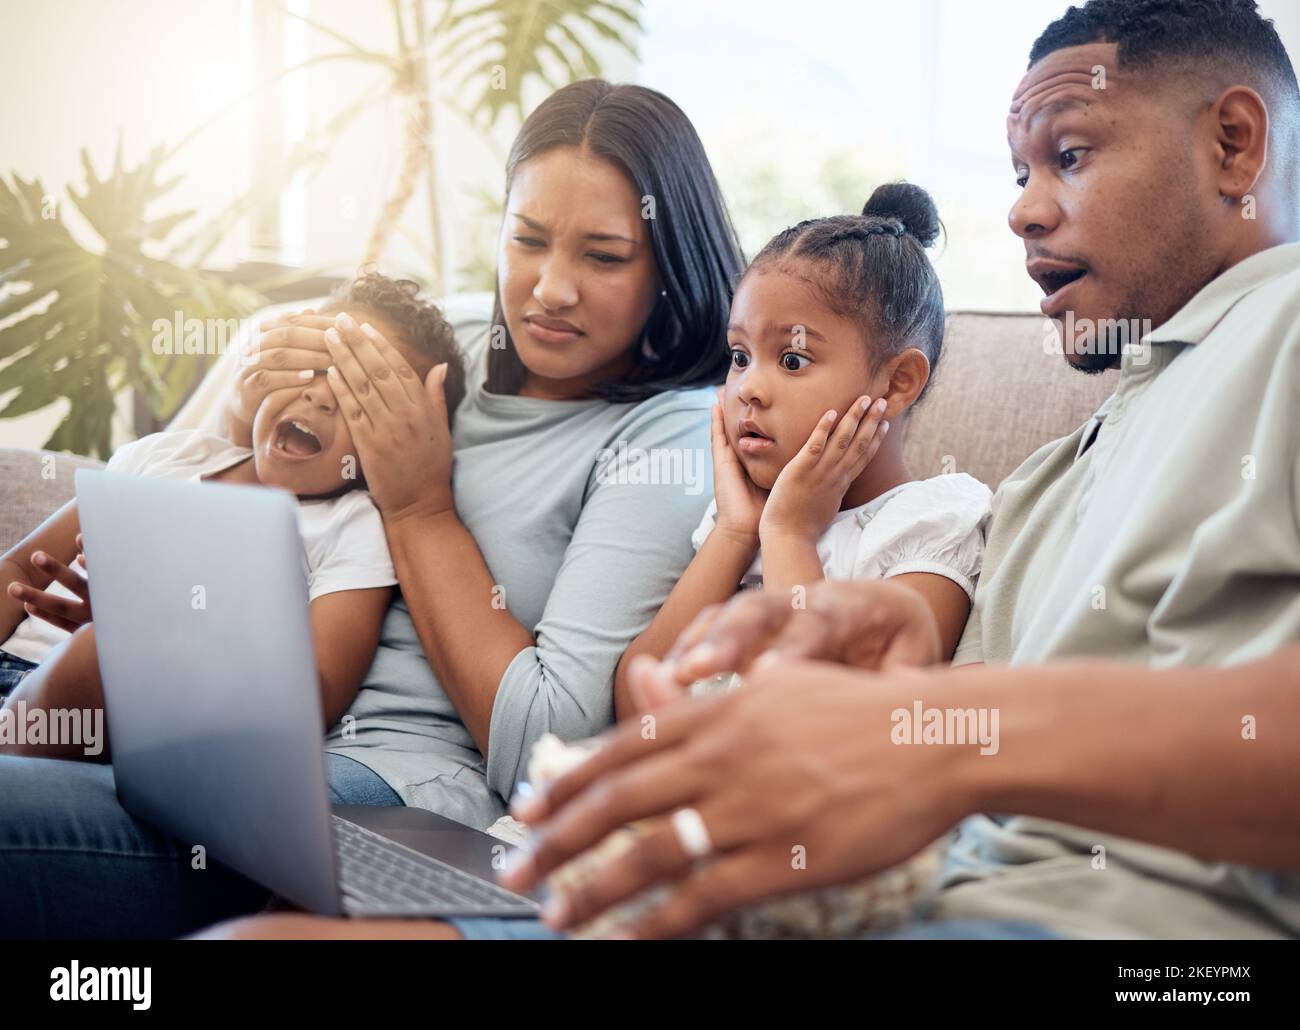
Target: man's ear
{"x":1241,"y":122}
{"x":908,"y":374}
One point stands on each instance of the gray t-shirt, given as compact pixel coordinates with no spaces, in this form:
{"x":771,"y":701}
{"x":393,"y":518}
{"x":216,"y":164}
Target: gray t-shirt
{"x":1164,"y":532}
{"x":583,"y":511}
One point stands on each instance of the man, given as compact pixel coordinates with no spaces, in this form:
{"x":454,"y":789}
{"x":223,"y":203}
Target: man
{"x":1133,"y":627}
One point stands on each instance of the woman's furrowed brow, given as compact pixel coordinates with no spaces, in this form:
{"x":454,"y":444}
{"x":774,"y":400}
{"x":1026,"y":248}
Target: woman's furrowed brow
{"x":537,"y":226}
{"x":604,"y":237}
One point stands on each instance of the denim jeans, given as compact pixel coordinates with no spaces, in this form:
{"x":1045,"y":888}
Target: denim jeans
{"x":75,"y":864}
{"x":945,"y":930}
{"x":12,"y":671}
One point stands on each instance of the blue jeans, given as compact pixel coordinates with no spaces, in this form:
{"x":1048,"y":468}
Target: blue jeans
{"x":74,"y":863}
{"x":12,"y":671}
{"x":946,"y":930}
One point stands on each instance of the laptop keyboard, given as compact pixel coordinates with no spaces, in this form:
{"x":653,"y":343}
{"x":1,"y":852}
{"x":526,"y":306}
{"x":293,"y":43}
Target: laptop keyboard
{"x":379,"y":876}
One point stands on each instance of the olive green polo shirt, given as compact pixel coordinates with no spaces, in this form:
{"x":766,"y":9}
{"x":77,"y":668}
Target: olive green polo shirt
{"x":1164,"y":532}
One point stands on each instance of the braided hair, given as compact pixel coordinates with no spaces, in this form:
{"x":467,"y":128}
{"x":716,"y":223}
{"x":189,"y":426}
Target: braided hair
{"x":872,"y":269}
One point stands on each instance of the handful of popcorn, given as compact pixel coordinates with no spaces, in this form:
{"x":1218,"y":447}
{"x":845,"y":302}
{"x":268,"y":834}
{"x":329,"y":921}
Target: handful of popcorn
{"x":874,"y":904}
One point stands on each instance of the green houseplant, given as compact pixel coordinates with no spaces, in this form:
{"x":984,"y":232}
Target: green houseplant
{"x":77,"y":321}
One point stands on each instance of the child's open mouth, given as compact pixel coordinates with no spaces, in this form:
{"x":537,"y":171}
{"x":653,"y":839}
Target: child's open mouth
{"x":751,"y":440}
{"x":295,"y":439}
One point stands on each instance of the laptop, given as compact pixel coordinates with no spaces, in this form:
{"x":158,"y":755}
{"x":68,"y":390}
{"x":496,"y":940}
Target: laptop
{"x":214,"y":713}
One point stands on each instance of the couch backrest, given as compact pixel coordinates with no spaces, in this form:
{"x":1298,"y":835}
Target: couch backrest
{"x":33,"y":485}
{"x":999,"y":394}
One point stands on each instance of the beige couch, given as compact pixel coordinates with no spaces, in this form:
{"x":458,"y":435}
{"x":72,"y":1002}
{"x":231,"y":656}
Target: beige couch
{"x":1000,"y":393}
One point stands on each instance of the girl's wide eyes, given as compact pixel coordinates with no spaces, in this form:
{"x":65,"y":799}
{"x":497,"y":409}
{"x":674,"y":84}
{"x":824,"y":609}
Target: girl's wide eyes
{"x":790,"y":360}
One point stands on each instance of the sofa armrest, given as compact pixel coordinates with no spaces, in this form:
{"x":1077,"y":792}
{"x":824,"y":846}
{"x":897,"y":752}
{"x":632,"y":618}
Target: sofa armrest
{"x":36,"y":484}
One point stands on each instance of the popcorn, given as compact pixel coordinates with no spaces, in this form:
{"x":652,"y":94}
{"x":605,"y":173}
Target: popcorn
{"x":550,"y":759}
{"x":872,"y":905}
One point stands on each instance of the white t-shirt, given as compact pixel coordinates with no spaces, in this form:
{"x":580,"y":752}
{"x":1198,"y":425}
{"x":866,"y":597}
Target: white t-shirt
{"x":932,"y":525}
{"x":344,"y":547}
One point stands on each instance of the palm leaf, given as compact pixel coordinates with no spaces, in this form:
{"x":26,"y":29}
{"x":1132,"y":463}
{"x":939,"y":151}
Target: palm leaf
{"x":514,"y":34}
{"x":80,"y":321}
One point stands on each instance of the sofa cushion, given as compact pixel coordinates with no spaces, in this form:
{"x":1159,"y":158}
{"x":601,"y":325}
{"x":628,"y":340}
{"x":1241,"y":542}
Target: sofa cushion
{"x":35,"y":484}
{"x":999,"y":394}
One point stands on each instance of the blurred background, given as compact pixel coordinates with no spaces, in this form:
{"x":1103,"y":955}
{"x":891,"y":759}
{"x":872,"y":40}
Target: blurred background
{"x":211,"y":156}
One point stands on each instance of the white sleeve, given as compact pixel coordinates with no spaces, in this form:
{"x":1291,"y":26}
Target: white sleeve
{"x":133,"y":457}
{"x":176,"y":454}
{"x":352,"y":551}
{"x":705,"y":527}
{"x":934,"y":526}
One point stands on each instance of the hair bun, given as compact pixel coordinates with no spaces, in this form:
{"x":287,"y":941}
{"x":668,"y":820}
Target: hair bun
{"x":909,"y":205}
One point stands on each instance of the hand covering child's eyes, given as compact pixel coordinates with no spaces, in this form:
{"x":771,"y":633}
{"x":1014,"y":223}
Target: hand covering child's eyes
{"x":399,"y":425}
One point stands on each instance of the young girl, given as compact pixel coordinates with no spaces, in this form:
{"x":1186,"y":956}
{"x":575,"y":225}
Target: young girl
{"x":836,"y":329}
{"x":300,"y":443}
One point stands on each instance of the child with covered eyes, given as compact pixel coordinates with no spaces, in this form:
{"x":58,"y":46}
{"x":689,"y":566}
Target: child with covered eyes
{"x":300,"y":442}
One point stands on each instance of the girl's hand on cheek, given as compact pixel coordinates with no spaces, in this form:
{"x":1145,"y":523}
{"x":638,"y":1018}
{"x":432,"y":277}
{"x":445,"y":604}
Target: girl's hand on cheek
{"x":810,"y":489}
{"x":740,"y":502}
{"x":399,"y":425}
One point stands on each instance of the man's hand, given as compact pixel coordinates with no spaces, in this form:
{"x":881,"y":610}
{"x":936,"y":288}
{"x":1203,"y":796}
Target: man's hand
{"x":805,"y":756}
{"x":870,"y":624}
{"x":802,"y":758}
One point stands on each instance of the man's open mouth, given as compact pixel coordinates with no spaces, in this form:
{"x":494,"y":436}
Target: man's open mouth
{"x":1054,"y":277}
{"x":296,"y":439}
{"x":1053,"y":281}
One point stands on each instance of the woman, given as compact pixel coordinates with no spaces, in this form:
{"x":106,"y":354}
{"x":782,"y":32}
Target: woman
{"x":526,"y":574}
{"x":524,"y":584}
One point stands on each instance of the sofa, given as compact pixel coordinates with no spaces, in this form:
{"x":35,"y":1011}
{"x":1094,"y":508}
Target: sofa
{"x":1001,"y":390}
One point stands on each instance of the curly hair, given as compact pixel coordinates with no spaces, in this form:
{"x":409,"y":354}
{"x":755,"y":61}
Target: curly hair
{"x":1197,"y":33}
{"x":420,"y":320}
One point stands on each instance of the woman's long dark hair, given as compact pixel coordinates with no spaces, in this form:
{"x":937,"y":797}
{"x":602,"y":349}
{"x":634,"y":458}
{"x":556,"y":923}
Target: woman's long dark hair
{"x":695,"y":247}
